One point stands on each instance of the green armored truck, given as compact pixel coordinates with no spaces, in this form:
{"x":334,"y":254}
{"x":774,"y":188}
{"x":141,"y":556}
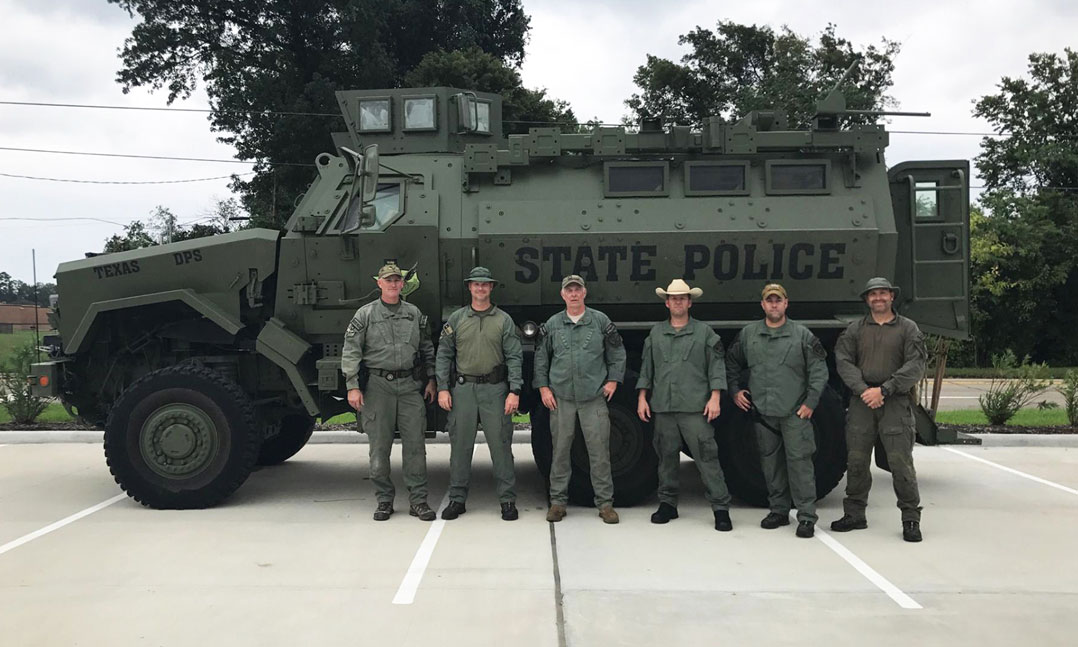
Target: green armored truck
{"x":204,"y":358}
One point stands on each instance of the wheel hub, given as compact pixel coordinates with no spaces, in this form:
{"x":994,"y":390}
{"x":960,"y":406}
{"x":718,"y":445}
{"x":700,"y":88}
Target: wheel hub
{"x":178,"y":440}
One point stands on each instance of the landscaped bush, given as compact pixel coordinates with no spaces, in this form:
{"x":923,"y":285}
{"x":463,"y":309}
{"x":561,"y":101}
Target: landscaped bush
{"x":15,"y":394}
{"x":1069,"y":390}
{"x":1006,"y":395}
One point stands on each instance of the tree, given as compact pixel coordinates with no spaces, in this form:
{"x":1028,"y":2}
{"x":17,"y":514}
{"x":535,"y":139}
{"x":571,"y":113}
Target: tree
{"x":739,"y":68}
{"x":476,"y":70}
{"x":135,"y":236}
{"x":271,"y":67}
{"x":1024,"y":263}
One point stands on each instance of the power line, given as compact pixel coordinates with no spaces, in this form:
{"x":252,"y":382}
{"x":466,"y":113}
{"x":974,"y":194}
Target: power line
{"x":151,"y":157}
{"x":44,"y":104}
{"x":57,"y":179}
{"x":47,"y":219}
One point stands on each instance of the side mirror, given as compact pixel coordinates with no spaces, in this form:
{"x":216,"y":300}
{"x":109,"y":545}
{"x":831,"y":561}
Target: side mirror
{"x":368,"y":174}
{"x":467,"y":112}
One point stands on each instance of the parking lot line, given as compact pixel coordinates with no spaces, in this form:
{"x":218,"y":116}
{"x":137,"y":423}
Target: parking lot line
{"x":869,"y":573}
{"x":410,"y":583}
{"x":11,"y":545}
{"x":1013,"y":471}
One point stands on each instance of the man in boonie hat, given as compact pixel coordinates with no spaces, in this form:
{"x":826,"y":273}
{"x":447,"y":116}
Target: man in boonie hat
{"x":880,"y":357}
{"x":787,"y":376}
{"x":683,"y":369}
{"x":479,"y":379}
{"x":391,"y":398}
{"x":579,"y":361}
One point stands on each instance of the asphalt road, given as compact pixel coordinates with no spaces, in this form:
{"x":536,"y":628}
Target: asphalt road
{"x":294,"y":559}
{"x":963,"y":394}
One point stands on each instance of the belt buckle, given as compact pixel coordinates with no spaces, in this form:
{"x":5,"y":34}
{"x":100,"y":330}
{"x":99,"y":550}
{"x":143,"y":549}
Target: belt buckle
{"x":460,"y":379}
{"x":390,"y":376}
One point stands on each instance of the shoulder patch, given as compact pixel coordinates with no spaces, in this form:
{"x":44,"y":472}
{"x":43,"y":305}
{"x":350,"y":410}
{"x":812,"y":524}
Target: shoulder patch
{"x":447,"y":330}
{"x":542,"y":332}
{"x":354,"y":327}
{"x":817,"y":348}
{"x":717,"y":346}
{"x":611,"y":335}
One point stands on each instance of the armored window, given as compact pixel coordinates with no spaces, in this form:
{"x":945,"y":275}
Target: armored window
{"x":636,"y":179}
{"x":482,"y":117}
{"x":798,"y":177}
{"x":926,"y":195}
{"x":374,"y":115}
{"x":420,"y":113}
{"x":388,"y":204}
{"x":709,"y":178}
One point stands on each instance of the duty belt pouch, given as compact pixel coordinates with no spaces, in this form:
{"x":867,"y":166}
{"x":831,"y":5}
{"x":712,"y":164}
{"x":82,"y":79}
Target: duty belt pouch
{"x":498,"y":375}
{"x":364,"y":376}
{"x":419,"y":372}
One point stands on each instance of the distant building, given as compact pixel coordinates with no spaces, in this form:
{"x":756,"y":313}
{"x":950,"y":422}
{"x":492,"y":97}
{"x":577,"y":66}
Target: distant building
{"x":14,"y":318}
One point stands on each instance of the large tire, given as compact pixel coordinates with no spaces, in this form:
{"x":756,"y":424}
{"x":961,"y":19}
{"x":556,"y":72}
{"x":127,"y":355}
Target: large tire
{"x":740,"y":456}
{"x":181,"y":437}
{"x":296,"y":430}
{"x":633,"y":464}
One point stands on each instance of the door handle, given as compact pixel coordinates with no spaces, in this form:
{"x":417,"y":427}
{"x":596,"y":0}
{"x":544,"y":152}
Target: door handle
{"x":950,"y":243}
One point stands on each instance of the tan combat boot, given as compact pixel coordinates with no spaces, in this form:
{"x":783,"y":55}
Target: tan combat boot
{"x":556,"y":512}
{"x":608,"y":514}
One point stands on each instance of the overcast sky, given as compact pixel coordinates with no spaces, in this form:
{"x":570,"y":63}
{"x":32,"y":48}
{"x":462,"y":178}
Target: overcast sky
{"x":65,"y":51}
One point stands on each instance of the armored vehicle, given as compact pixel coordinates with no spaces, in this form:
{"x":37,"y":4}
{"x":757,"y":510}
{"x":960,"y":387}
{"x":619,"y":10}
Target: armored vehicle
{"x":206,"y":357}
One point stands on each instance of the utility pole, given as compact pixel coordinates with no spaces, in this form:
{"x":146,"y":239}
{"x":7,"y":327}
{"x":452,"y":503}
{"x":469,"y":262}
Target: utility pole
{"x":37,"y":320}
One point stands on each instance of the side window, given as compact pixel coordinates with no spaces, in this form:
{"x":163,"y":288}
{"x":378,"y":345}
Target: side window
{"x":388,"y":204}
{"x":636,"y":179}
{"x":798,"y":177}
{"x":709,"y":178}
{"x":926,"y":195}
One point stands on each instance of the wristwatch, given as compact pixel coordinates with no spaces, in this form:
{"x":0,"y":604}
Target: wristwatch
{"x":884,"y":391}
{"x":515,"y":391}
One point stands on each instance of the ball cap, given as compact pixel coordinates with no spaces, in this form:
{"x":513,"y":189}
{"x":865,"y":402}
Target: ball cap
{"x":878,"y":283}
{"x":573,"y":278}
{"x":773,"y":288}
{"x":479,"y":275}
{"x":387,"y":270}
{"x":678,"y":287}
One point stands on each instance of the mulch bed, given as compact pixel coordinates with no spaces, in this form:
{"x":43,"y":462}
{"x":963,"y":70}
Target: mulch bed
{"x":1008,"y":429}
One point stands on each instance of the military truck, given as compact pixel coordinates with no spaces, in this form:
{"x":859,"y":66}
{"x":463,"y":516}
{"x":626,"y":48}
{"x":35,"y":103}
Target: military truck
{"x":203,"y":358}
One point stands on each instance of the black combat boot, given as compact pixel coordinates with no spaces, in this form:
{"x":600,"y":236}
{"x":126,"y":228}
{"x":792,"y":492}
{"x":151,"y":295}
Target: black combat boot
{"x":453,"y":510}
{"x":665,"y":513}
{"x":722,"y":521}
{"x":848,"y":523}
{"x":423,"y":511}
{"x":382,"y":512}
{"x":509,"y":511}
{"x":774,"y":520}
{"x":911,"y":531}
{"x":806,"y":529}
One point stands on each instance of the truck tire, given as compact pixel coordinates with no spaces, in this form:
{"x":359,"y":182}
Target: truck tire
{"x":740,"y":456}
{"x":296,"y":430}
{"x":181,"y":437}
{"x":633,"y":464}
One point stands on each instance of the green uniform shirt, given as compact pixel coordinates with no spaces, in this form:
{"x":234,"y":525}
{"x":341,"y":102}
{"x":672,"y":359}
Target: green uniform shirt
{"x":682,"y":366}
{"x":477,"y":342}
{"x":576,"y":359}
{"x":386,"y":339}
{"x":787,"y":367}
{"x":891,"y":355}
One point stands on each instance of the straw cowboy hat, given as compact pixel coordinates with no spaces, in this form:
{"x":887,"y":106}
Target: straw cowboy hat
{"x":678,"y":287}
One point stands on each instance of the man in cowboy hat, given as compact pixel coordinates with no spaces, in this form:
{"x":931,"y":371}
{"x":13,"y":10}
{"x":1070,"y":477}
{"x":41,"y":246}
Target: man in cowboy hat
{"x":787,"y":375}
{"x":880,"y":358}
{"x":479,"y":378}
{"x":392,"y":339}
{"x":682,"y":366}
{"x":579,"y":361}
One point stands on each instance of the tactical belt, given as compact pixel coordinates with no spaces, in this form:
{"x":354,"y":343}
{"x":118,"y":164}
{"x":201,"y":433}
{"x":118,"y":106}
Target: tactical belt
{"x":390,"y":374}
{"x":758,"y":418}
{"x":497,"y":376}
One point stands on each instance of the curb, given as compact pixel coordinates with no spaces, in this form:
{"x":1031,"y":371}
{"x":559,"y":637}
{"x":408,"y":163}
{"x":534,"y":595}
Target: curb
{"x":45,"y":436}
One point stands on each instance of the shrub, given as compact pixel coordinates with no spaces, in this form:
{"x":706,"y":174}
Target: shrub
{"x":1006,"y":395}
{"x":1069,"y":390}
{"x":15,"y":395}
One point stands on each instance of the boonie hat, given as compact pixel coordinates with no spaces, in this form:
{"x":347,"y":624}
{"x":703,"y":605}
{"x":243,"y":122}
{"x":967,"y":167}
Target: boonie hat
{"x":773,"y":288}
{"x":479,"y":275}
{"x":573,"y":278}
{"x":389,"y":269}
{"x":878,"y":283}
{"x":678,"y":287}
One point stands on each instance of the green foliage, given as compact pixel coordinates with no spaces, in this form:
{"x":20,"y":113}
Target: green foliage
{"x":15,"y":394}
{"x":135,"y":236}
{"x":1023,"y":418}
{"x":1069,"y":390}
{"x":477,"y":70}
{"x":738,"y":68}
{"x":1006,"y":395}
{"x":164,"y":227}
{"x":1023,"y":261}
{"x":264,"y":62}
{"x":16,"y":291}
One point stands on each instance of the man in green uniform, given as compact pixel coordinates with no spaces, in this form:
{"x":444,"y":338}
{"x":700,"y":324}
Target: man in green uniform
{"x":787,"y":375}
{"x":391,"y":338}
{"x":880,"y":358}
{"x":479,"y":379}
{"x":579,"y":363}
{"x":682,"y":366}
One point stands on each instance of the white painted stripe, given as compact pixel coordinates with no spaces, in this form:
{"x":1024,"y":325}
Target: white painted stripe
{"x":11,"y":545}
{"x":881,"y":582}
{"x":1013,"y":471}
{"x":410,"y":583}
